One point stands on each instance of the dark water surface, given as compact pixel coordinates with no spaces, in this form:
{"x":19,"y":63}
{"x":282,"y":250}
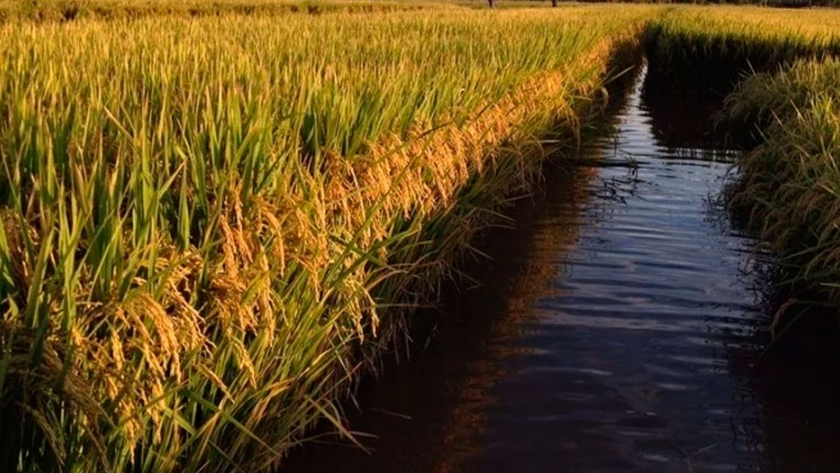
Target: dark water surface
{"x":616,"y":330}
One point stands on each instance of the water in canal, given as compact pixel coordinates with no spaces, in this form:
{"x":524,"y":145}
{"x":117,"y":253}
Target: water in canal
{"x":620,"y":327}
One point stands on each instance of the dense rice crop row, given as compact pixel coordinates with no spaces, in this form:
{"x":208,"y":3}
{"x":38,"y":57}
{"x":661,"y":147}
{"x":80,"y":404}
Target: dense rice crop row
{"x":205,"y":224}
{"x":789,"y":186}
{"x":706,"y":50}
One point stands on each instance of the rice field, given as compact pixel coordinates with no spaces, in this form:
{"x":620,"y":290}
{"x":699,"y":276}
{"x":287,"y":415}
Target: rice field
{"x":210,"y":224}
{"x":707,"y":50}
{"x":43,"y":11}
{"x":215,"y":217}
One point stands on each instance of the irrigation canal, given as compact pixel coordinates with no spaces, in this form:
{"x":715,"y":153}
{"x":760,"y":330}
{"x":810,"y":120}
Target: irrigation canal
{"x":620,"y":327}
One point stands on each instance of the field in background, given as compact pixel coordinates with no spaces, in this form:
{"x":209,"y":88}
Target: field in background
{"x":69,"y":10}
{"x":707,"y":50}
{"x":73,"y":10}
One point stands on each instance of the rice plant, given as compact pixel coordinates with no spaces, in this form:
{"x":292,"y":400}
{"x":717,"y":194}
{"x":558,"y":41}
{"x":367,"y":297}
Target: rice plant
{"x":789,"y":188}
{"x":209,"y":225}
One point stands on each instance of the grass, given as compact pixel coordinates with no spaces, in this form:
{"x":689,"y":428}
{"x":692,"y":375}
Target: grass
{"x":789,"y":189}
{"x":210,"y":224}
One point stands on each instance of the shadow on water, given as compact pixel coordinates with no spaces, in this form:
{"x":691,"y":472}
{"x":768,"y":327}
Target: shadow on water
{"x":428,"y":414}
{"x":620,"y":326}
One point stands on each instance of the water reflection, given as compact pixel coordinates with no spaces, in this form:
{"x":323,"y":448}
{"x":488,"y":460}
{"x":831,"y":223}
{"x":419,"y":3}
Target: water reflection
{"x":619,"y":328}
{"x":429,"y":415}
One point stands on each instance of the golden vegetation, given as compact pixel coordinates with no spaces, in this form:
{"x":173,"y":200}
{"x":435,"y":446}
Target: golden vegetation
{"x":74,"y":10}
{"x":208,"y":223}
{"x":789,"y":188}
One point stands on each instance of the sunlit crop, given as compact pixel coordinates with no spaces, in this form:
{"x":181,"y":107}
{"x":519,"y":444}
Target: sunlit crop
{"x":208,"y":224}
